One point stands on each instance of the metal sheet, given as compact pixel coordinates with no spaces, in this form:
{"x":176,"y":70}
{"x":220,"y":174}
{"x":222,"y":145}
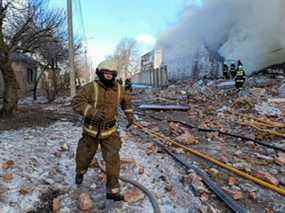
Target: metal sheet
{"x":164,"y":107}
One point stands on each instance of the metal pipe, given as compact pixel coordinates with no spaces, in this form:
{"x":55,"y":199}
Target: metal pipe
{"x":230,"y":168}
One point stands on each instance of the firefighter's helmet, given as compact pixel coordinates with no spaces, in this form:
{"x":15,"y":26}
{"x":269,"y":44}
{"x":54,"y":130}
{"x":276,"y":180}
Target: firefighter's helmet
{"x":107,"y":65}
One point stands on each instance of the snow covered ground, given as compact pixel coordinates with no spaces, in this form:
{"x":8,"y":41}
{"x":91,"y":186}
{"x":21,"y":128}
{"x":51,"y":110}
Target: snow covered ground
{"x":35,"y":161}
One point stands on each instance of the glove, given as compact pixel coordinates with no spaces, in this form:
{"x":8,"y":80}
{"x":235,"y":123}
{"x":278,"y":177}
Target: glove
{"x":99,"y":116}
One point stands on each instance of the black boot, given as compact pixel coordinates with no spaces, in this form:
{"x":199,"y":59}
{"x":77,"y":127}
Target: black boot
{"x":78,"y":179}
{"x":115,"y":196}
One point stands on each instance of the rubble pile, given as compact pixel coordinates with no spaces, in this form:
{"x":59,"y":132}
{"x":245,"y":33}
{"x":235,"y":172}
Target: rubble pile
{"x":38,"y":175}
{"x":257,"y":112}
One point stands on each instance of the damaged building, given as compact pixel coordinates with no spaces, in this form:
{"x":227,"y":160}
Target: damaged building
{"x":206,"y":63}
{"x":25,"y":69}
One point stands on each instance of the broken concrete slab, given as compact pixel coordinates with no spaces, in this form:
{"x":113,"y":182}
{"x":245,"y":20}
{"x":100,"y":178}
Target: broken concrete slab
{"x":226,"y":85}
{"x":266,"y":109}
{"x":282,"y":91}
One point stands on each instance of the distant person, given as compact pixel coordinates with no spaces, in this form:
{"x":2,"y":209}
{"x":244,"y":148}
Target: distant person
{"x":128,"y":85}
{"x":233,"y":70}
{"x":239,"y":63}
{"x":226,"y":71}
{"x":240,"y":77}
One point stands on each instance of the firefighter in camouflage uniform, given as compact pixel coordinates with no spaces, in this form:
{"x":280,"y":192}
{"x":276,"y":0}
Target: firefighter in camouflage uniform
{"x":98,"y":102}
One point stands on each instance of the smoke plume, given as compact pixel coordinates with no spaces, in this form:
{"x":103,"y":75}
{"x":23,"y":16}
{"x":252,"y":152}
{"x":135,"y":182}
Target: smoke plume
{"x":250,"y":30}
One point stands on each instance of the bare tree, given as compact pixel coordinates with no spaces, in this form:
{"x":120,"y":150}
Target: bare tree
{"x":126,"y":57}
{"x":24,"y":28}
{"x":51,"y":54}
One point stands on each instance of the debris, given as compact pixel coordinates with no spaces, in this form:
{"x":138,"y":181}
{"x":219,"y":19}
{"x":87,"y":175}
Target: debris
{"x":204,"y":197}
{"x":277,"y":100}
{"x":141,"y":170}
{"x":223,"y":109}
{"x":267,"y":177}
{"x":151,"y":149}
{"x":214,"y":172}
{"x":8,"y":177}
{"x":252,"y":195}
{"x":164,"y":107}
{"x":260,"y":92}
{"x":64,"y":147}
{"x":128,"y":161}
{"x":56,"y":205}
{"x":244,"y":103}
{"x":266,"y":109}
{"x":243,"y":165}
{"x":179,"y":150}
{"x":24,"y":191}
{"x":226,"y":85}
{"x":238,"y":153}
{"x":211,"y":209}
{"x":85,"y":202}
{"x":268,"y":158}
{"x":173,"y":127}
{"x":168,"y":187}
{"x":198,"y":185}
{"x":7,"y":165}
{"x":224,"y":159}
{"x":187,"y":138}
{"x":232,"y":181}
{"x":282,"y":91}
{"x":280,"y":160}
{"x":236,"y":194}
{"x":134,"y":196}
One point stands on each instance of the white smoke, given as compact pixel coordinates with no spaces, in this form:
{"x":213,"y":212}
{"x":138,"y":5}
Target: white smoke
{"x":250,"y":30}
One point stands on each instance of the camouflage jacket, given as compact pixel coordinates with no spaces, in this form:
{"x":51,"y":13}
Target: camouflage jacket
{"x":95,"y":97}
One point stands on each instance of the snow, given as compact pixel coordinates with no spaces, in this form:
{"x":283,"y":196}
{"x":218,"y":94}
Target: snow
{"x":266,"y":109}
{"x":42,"y":161}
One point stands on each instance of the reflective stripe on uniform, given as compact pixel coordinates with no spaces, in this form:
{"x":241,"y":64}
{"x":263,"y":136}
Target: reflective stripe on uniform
{"x":115,"y":190}
{"x":87,"y":109}
{"x":239,"y":73}
{"x":102,"y":133}
{"x":119,"y":94}
{"x":95,"y":85}
{"x":96,"y":94}
{"x":128,"y":110}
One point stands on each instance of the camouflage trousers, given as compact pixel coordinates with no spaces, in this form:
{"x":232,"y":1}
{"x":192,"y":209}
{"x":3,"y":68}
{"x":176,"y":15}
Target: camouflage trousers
{"x":110,"y":147}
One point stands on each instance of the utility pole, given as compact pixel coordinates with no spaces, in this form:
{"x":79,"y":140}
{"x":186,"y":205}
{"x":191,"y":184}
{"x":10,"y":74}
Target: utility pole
{"x":70,"y":48}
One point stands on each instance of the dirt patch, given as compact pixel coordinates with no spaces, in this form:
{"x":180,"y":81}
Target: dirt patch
{"x":35,"y":118}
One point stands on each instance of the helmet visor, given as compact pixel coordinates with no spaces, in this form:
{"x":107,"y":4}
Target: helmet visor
{"x":110,"y":72}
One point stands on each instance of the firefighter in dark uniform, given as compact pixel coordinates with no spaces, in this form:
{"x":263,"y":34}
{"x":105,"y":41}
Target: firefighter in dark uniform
{"x":240,"y":77}
{"x":233,"y":70}
{"x":226,"y":71}
{"x":128,"y":85}
{"x":98,"y":102}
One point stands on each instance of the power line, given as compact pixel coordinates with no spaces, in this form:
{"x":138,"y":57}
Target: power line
{"x":82,"y":20}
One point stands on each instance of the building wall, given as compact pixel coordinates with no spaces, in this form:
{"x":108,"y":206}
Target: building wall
{"x":202,"y":64}
{"x":24,"y":77}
